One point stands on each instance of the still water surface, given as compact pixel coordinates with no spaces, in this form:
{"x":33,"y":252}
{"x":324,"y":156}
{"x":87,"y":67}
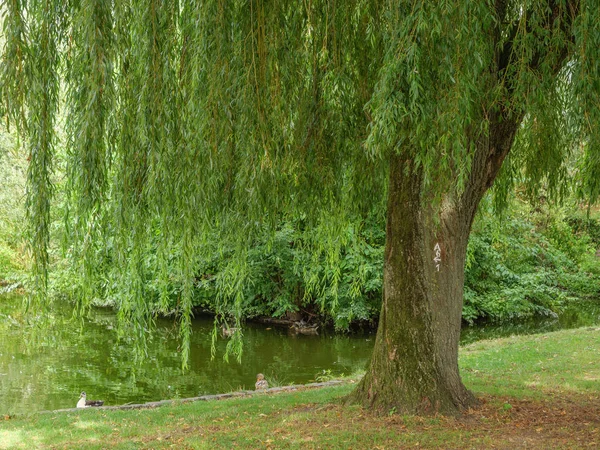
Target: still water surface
{"x":45,"y":368}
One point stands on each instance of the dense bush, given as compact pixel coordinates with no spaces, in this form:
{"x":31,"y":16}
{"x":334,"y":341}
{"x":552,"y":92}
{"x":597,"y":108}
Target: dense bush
{"x":523,"y":264}
{"x":526,"y":263}
{"x":285,"y":277}
{"x":531,"y":261}
{"x":586,"y":225}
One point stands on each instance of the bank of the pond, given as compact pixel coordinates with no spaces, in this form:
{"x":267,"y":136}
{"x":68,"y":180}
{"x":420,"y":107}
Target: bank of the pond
{"x":204,"y":398}
{"x":539,"y":391}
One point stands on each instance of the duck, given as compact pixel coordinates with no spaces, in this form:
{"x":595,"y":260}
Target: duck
{"x":84,"y":403}
{"x":261,"y":383}
{"x":228,"y":331}
{"x":303,"y":327}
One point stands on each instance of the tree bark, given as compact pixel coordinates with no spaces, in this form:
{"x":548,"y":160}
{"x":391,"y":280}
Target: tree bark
{"x":414,"y":366}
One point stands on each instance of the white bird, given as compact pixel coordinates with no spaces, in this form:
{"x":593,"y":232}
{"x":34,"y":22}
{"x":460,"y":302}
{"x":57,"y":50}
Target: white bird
{"x":83,"y":403}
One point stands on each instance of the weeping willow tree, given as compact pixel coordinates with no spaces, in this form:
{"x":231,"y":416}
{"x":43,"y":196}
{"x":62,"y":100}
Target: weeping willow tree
{"x":197,"y":120}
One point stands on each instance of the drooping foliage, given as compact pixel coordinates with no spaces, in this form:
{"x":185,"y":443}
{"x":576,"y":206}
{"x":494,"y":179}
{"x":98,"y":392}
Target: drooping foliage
{"x":451,"y":66}
{"x":192,"y":123}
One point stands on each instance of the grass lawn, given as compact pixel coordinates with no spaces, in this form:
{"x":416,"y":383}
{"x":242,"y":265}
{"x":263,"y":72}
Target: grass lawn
{"x":538,"y":392}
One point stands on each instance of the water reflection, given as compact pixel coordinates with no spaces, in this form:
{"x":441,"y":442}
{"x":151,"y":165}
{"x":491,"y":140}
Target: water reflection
{"x":578,"y":314}
{"x":46,"y":363}
{"x":45,"y":367}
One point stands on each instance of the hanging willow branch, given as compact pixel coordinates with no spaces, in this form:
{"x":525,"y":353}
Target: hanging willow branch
{"x":90,"y":96}
{"x":40,"y":62}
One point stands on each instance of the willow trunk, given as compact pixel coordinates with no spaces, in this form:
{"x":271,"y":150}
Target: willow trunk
{"x":414,"y":366}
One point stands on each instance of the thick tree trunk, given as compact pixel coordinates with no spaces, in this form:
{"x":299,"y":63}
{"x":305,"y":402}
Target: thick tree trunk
{"x":414,"y":366}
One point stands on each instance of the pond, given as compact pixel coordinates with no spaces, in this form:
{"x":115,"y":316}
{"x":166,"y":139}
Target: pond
{"x":44,"y":368}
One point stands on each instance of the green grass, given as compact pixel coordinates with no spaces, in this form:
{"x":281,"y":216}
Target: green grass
{"x":539,"y":391}
{"x":530,"y":366}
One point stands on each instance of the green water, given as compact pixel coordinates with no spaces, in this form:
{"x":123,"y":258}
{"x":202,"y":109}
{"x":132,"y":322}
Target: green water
{"x":578,"y":314}
{"x":46,"y":367}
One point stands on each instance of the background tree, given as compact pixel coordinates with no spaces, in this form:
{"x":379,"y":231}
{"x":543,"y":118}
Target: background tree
{"x":195,"y":120}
